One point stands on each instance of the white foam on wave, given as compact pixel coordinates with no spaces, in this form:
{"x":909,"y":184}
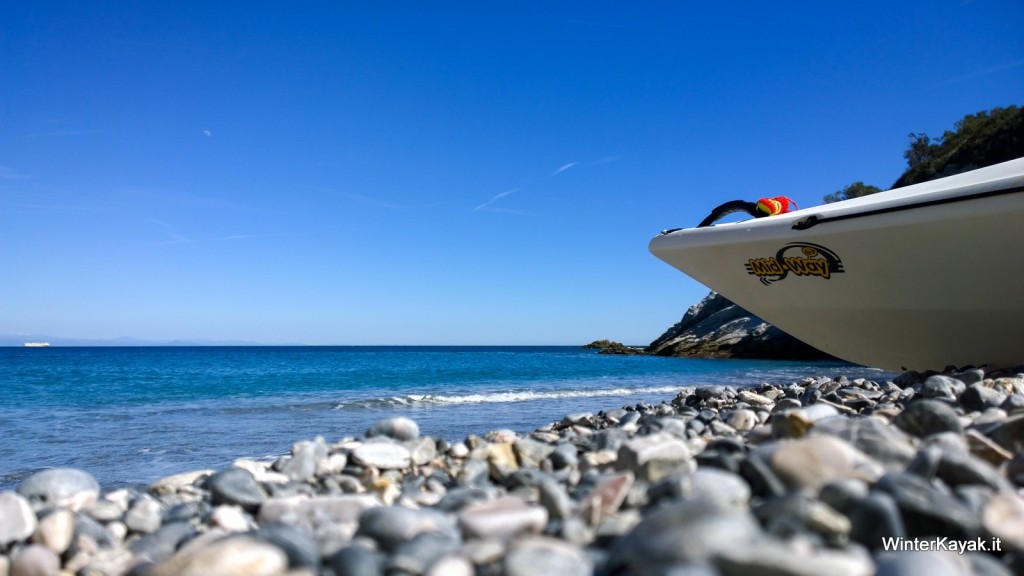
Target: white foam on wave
{"x":505,"y":397}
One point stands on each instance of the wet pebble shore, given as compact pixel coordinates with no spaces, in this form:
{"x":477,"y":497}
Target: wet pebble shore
{"x":816,"y":477}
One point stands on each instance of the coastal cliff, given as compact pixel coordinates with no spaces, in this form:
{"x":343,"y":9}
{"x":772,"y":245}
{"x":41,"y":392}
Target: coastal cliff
{"x":717,"y":328}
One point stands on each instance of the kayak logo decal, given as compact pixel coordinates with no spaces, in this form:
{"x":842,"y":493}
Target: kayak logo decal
{"x":799,"y":258}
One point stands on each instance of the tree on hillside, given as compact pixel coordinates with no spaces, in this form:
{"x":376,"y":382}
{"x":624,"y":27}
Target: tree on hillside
{"x":976,"y":141}
{"x":855,"y":190}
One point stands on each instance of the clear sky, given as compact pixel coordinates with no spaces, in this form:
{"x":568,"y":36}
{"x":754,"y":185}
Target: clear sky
{"x":439,"y":172}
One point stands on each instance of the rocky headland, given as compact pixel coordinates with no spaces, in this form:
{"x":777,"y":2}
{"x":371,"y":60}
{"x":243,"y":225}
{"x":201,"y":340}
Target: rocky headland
{"x":820,"y":476}
{"x":715,"y":327}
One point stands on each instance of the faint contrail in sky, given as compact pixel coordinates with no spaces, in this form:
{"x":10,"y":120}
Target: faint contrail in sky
{"x":499,"y":196}
{"x":977,"y":74}
{"x":564,"y":167}
{"x":176,"y":238}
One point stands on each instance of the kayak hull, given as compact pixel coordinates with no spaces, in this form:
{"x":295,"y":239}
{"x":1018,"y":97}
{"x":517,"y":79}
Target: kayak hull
{"x":922,"y":277}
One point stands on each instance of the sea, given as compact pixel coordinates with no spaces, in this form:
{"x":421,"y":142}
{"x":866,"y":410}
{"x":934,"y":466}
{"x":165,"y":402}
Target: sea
{"x":132,"y":415}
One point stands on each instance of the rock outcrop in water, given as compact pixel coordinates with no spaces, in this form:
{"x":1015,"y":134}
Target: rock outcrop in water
{"x":717,"y":328}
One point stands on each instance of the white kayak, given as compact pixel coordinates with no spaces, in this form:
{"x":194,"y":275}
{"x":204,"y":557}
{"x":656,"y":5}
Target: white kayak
{"x":916,"y":278}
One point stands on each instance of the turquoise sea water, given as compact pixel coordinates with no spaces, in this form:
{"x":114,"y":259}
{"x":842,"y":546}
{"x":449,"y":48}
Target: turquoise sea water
{"x":132,"y":415}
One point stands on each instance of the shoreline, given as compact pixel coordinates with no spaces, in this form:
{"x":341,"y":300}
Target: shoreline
{"x":814,"y":477}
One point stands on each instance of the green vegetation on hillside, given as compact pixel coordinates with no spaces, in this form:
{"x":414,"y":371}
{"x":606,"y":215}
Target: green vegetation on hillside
{"x":978,"y":140}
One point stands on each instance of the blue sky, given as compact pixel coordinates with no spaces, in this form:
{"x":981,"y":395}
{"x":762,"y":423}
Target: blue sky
{"x":439,"y":173}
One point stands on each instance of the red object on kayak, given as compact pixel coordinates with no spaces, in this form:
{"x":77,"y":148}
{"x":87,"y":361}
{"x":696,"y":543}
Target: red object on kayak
{"x":775,"y":206}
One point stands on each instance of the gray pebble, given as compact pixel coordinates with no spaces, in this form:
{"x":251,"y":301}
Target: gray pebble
{"x":926,"y":417}
{"x":161,"y":544}
{"x":55,"y":530}
{"x":299,"y":548}
{"x":504,"y":517}
{"x":63,"y":487}
{"x":688,"y":531}
{"x":305,"y":456}
{"x":770,"y":557}
{"x":357,"y":560}
{"x":927,"y":510}
{"x":234,"y":556}
{"x":938,"y":386}
{"x":17,"y":520}
{"x":236,"y":486}
{"x":1003,"y":517}
{"x":873,"y":518}
{"x":544,"y":556}
{"x":391,"y":526}
{"x":924,"y":563}
{"x":978,"y":397}
{"x":35,"y":560}
{"x":382,"y":455}
{"x":887,"y":445}
{"x":418,"y":554}
{"x":398,"y":428}
{"x":144,"y":515}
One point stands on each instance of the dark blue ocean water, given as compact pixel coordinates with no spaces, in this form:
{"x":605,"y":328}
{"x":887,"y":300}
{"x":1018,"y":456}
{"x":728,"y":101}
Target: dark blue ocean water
{"x":132,"y":415}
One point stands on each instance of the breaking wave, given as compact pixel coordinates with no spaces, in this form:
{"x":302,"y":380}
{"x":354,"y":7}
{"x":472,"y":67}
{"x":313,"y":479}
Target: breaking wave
{"x":426,"y":400}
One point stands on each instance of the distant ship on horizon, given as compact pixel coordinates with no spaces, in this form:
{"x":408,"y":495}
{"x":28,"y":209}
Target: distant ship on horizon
{"x":37,"y":344}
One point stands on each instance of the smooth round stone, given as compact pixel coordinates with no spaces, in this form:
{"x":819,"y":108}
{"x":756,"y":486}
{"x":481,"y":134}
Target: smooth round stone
{"x":144,"y":516}
{"x":418,"y":554}
{"x":961,"y":467}
{"x":458,"y":450}
{"x":422,"y":450}
{"x":688,"y":531}
{"x":1010,"y":433}
{"x":390,"y":526}
{"x":297,"y":545}
{"x":172,"y":484}
{"x":357,"y":560}
{"x":382,"y":455}
{"x":770,"y":557}
{"x":927,"y":510}
{"x":229,"y":518}
{"x":161,"y":544}
{"x":61,"y":487}
{"x":236,"y":486}
{"x":86,"y":526}
{"x":978,"y":397}
{"x":503,"y":436}
{"x":398,"y":428}
{"x":874,"y":517}
{"x":743,"y":420}
{"x":925,"y":417}
{"x":714,"y":485}
{"x":504,"y":517}
{"x":17,"y":520}
{"x":796,"y":423}
{"x":816,"y":461}
{"x":924,"y":563}
{"x":1003,"y":517}
{"x":451,"y":565}
{"x":532,"y":452}
{"x":306,"y":455}
{"x":35,"y":560}
{"x":540,"y":555}
{"x":1013,"y":403}
{"x":55,"y":530}
{"x":887,"y":445}
{"x":938,"y":386}
{"x":234,"y":556}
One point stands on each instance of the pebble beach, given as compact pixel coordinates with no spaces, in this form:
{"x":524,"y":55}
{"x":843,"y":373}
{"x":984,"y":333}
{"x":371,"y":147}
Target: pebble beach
{"x":918,"y":475}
